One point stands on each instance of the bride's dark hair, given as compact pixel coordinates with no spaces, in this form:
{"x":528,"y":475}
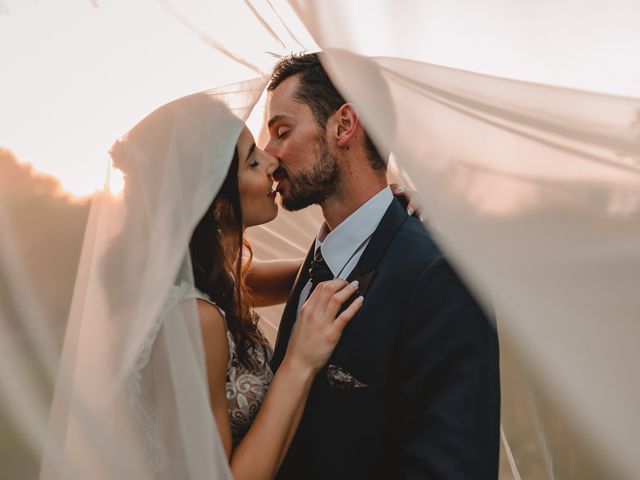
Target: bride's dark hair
{"x":220,"y":273}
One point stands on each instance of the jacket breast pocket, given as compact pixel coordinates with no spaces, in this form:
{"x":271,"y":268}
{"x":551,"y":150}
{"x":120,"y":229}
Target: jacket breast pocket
{"x":355,"y":420}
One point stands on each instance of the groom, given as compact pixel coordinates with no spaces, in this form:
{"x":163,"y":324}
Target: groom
{"x":412,"y":390}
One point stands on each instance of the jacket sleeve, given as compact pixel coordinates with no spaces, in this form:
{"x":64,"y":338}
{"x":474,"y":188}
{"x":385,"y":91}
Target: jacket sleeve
{"x":450,"y":387}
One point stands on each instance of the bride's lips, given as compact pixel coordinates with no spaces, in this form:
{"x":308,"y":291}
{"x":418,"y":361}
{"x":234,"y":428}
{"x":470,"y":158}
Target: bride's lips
{"x":278,"y":177}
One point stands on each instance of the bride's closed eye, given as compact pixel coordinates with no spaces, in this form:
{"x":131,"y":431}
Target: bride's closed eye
{"x":254,"y":163}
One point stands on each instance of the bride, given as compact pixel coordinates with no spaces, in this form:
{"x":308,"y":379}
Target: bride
{"x":254,"y":411}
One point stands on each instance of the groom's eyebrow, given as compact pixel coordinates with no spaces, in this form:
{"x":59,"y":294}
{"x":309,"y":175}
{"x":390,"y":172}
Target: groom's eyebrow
{"x":251,"y":149}
{"x":275,"y":119}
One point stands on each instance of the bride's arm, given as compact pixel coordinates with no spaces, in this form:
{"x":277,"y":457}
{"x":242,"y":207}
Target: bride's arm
{"x":262,"y":450}
{"x":216,"y":350}
{"x":271,"y":281}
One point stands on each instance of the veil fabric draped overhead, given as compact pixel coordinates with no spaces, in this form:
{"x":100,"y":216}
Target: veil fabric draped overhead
{"x":533,"y":191}
{"x":131,"y":398}
{"x":539,"y":208}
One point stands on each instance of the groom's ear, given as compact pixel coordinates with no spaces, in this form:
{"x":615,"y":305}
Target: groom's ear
{"x":347,"y":125}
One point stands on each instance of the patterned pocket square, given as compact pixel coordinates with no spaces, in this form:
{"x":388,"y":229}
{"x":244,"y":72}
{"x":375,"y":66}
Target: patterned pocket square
{"x":339,"y":378}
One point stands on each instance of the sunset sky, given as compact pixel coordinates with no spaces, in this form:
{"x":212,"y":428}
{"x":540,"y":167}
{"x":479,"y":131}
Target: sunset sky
{"x":75,"y":76}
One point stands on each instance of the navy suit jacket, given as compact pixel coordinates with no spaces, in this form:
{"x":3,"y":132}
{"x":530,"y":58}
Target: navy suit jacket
{"x":429,"y":357}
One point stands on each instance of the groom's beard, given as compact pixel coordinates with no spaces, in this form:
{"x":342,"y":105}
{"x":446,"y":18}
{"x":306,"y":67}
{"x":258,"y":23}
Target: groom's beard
{"x":315,"y":185}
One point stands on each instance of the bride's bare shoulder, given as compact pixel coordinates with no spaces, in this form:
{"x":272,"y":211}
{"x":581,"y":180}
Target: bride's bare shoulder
{"x":214,"y":333}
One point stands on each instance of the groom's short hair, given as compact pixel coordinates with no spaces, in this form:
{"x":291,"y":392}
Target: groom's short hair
{"x":318,"y":91}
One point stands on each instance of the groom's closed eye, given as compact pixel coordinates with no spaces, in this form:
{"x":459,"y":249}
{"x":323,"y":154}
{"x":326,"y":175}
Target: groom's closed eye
{"x":281,"y":132}
{"x":277,"y":125}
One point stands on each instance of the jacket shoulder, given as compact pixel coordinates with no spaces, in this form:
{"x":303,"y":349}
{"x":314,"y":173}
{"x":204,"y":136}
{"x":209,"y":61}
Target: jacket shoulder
{"x":414,"y":243}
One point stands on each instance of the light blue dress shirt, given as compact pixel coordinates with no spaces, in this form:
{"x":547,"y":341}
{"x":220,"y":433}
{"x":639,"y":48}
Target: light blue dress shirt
{"x":342,"y":247}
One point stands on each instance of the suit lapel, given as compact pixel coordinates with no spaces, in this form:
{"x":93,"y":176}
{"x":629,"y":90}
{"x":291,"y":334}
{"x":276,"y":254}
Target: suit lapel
{"x":290,"y":312}
{"x":364,"y":271}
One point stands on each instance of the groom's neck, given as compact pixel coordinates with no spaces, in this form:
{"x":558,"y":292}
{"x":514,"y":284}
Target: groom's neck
{"x":354,"y":191}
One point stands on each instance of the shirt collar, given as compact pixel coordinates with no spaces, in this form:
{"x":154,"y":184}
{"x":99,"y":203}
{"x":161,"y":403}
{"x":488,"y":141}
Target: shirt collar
{"x":339,"y":245}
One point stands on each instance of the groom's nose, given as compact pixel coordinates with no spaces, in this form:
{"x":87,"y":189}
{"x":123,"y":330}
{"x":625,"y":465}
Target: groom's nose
{"x":272,"y":164}
{"x":271,"y":148}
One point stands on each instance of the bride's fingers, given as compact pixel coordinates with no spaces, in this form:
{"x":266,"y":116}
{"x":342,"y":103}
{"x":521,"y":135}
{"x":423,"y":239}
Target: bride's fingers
{"x":325,"y":291}
{"x":341,"y":296}
{"x":405,"y":198}
{"x":322,"y":294}
{"x":348,"y":314}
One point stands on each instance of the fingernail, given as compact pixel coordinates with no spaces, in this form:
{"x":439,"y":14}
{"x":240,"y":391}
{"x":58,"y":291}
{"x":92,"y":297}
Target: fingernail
{"x":410,"y":211}
{"x":355,"y":284}
{"x":359,"y":299}
{"x":400,"y":190}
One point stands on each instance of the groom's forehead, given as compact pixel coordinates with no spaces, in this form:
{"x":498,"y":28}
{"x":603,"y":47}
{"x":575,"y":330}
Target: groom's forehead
{"x":287,"y":89}
{"x":283,"y":100}
{"x":283,"y":105}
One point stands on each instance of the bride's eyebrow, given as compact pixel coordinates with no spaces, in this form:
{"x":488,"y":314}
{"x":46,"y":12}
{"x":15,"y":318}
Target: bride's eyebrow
{"x":251,"y":149}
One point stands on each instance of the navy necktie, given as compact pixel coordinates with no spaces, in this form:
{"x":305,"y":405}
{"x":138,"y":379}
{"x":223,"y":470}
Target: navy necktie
{"x":319,"y":271}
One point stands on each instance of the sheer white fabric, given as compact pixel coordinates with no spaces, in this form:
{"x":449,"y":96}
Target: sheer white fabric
{"x":131,"y":398}
{"x":533,"y":191}
{"x":539,"y":208}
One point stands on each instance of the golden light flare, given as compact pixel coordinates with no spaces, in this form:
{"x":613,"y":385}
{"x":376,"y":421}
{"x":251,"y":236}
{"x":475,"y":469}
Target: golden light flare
{"x":75,"y":77}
